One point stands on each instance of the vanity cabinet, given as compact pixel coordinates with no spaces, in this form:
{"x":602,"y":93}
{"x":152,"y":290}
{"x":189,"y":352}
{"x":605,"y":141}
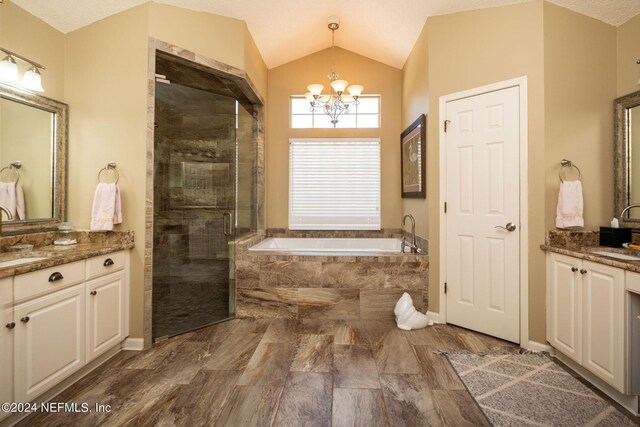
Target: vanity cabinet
{"x":585,"y":319}
{"x":63,"y":317}
{"x":6,"y":342}
{"x":49,"y":341}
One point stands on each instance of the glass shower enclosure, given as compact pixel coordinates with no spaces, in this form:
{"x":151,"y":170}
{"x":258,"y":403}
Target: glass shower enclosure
{"x":204,"y":193}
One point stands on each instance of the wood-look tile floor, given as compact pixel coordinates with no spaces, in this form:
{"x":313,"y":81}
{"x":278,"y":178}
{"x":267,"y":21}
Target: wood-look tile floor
{"x":253,"y":372}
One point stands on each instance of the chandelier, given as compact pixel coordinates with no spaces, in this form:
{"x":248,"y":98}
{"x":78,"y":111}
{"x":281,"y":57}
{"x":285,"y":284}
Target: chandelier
{"x":337,"y":102}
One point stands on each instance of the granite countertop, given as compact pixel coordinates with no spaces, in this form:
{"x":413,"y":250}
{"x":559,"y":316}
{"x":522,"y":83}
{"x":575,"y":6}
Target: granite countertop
{"x":586,"y":252}
{"x":89,"y":245}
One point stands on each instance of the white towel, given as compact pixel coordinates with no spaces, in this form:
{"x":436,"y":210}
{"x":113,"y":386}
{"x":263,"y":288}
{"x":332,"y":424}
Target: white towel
{"x":12,"y":198}
{"x":570,"y":205}
{"x":106,"y":209}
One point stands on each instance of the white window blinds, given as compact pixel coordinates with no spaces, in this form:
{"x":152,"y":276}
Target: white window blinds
{"x":334,"y":184}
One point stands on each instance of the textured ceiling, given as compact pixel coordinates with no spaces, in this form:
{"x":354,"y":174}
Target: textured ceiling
{"x":284,"y":30}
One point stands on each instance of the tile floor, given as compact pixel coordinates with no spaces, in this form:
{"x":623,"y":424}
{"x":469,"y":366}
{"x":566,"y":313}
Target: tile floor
{"x":254,"y":372}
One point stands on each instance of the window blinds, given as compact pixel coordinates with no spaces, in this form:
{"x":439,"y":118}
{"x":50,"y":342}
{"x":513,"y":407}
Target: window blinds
{"x":334,"y":184}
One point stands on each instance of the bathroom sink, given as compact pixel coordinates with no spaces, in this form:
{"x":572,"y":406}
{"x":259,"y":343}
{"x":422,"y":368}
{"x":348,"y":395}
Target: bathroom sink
{"x":19,"y":261}
{"x":612,"y":255}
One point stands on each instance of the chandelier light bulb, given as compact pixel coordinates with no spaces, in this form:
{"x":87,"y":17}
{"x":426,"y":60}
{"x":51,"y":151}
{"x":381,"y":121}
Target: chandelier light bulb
{"x":309,"y":97}
{"x":315,"y":89}
{"x":9,"y":70}
{"x":347,"y":99}
{"x":339,"y":85}
{"x":355,"y":90}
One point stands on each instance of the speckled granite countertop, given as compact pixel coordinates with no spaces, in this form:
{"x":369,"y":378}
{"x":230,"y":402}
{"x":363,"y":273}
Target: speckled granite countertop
{"x":586,"y":252}
{"x":89,"y":245}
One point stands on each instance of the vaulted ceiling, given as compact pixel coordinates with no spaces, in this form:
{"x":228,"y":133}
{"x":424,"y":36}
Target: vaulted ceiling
{"x":284,"y":30}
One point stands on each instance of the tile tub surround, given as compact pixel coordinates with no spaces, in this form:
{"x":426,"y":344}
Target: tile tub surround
{"x":89,"y":244}
{"x":328,"y":287}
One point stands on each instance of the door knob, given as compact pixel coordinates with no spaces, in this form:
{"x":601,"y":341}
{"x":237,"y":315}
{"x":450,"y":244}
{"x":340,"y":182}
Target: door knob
{"x":509,"y":227}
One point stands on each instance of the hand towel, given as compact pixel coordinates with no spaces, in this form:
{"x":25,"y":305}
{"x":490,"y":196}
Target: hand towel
{"x":12,"y":198}
{"x":107,"y":207}
{"x":570,"y":205}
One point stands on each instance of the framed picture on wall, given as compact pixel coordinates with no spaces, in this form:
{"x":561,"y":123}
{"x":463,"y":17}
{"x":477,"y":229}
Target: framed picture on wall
{"x":413,"y":165}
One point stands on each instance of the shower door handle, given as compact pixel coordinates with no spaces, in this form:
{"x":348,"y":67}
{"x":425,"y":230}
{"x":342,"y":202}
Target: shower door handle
{"x":226,"y":224}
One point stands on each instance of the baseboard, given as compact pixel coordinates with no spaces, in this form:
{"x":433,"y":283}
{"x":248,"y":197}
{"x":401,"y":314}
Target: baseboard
{"x":536,"y":346}
{"x":434,"y":316}
{"x":135,"y":344}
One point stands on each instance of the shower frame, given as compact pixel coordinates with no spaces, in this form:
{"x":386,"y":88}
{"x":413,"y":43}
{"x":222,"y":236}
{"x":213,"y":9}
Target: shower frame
{"x":245,"y":85}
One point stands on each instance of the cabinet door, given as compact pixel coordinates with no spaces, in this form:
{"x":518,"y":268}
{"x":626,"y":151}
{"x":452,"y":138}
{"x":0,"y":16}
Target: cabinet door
{"x":105,"y":313}
{"x":603,"y":322}
{"x":49,"y":341}
{"x":564,"y":328}
{"x":6,"y":356}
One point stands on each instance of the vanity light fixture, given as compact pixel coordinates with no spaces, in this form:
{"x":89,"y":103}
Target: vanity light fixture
{"x":337,"y":102}
{"x":32,"y":79}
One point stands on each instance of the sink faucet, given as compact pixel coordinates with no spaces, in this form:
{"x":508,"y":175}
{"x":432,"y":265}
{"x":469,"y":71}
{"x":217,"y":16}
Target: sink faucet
{"x":413,"y":246}
{"x":9,"y":216}
{"x":624,"y":211}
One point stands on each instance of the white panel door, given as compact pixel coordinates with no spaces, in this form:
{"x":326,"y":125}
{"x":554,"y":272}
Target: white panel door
{"x":49,"y":341}
{"x":105,"y":313}
{"x":564,"y":328}
{"x":603,"y":322}
{"x":482,"y":193}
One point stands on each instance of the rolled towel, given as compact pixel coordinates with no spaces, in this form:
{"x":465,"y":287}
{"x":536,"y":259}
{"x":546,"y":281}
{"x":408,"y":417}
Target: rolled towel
{"x":569,"y":212}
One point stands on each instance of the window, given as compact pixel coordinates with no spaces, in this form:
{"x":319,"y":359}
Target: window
{"x":334,"y":184}
{"x":364,"y":115}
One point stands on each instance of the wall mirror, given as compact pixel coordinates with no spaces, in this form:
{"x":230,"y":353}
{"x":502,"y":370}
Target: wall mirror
{"x":33,"y":141}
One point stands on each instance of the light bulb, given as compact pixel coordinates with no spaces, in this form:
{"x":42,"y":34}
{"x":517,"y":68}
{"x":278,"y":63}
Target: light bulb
{"x":339,"y":85}
{"x":355,"y":90}
{"x":9,"y":70}
{"x":315,"y":89}
{"x":32,"y":80}
{"x":347,"y":99}
{"x":309,"y":97}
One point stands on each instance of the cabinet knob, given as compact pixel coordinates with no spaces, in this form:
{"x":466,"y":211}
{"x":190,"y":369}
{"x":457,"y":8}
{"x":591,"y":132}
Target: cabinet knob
{"x":108,"y":262}
{"x":25,"y":319}
{"x":11,"y":325}
{"x":94,"y":293}
{"x":55,"y":277}
{"x":574,"y":269}
{"x":583,"y":271}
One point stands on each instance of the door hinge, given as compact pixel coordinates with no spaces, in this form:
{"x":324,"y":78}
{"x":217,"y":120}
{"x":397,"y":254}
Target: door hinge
{"x":445,"y":207}
{"x":446,"y":125}
{"x":445,"y":287}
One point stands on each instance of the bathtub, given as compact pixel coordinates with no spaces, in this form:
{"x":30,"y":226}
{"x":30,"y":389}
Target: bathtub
{"x":329,"y":245}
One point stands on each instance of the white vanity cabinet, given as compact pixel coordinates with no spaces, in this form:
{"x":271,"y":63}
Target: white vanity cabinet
{"x":49,"y":341}
{"x":586,"y":316}
{"x":6,"y":342}
{"x":64,"y":317}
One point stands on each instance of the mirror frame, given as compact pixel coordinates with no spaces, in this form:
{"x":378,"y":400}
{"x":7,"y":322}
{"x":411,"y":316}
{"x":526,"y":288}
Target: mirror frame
{"x":59,"y":163}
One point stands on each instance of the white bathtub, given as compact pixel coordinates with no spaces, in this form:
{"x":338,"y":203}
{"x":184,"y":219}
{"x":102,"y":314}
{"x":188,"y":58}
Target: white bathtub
{"x":309,"y":244}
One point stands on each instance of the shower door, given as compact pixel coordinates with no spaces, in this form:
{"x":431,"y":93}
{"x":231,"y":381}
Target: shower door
{"x":194,"y":208}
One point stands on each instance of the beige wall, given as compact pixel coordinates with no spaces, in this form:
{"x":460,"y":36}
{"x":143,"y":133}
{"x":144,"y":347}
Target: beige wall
{"x":628,"y":53}
{"x":254,"y":65}
{"x":292,"y":79}
{"x":476,"y":48}
{"x":580,"y":85}
{"x":106,"y":88}
{"x":415,"y":101}
{"x":32,"y":38}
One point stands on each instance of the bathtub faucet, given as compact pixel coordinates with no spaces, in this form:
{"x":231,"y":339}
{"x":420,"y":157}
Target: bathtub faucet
{"x":413,"y":245}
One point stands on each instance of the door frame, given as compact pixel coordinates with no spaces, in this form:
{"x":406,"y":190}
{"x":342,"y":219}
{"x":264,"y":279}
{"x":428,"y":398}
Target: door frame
{"x":521,"y":84}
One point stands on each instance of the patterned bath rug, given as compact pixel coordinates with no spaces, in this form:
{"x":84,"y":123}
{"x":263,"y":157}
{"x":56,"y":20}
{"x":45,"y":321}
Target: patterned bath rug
{"x":530,"y":389}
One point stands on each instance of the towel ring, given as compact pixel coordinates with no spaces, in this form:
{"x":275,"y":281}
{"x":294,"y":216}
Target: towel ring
{"x":13,"y":167}
{"x":111,"y":166}
{"x":564,"y":163}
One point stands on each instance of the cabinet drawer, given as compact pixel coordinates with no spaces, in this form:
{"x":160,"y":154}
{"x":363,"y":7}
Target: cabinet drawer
{"x":6,"y":291}
{"x":48,"y":280}
{"x":105,"y":264}
{"x":632,"y":281}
